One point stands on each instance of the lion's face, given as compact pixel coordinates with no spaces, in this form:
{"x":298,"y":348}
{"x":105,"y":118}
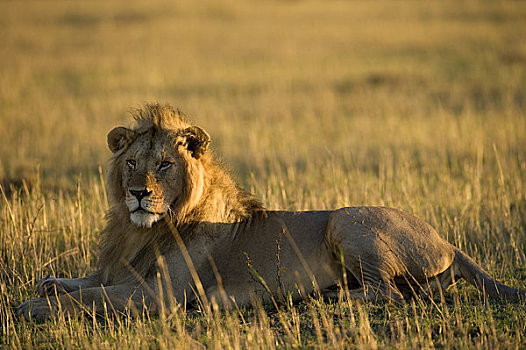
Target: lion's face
{"x":154,"y":169}
{"x":152,"y":178}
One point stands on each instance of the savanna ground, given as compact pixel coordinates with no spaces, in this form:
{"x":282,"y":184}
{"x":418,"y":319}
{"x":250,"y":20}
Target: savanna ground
{"x":416,"y":105}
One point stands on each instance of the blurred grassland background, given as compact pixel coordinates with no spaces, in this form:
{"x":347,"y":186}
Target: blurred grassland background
{"x":313,"y":105}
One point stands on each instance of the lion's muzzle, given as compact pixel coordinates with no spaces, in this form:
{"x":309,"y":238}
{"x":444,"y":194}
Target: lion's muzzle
{"x":145,"y":207}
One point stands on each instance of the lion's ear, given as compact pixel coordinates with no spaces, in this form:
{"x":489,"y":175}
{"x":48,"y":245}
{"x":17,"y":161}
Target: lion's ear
{"x":119,"y":138}
{"x":195,"y":140}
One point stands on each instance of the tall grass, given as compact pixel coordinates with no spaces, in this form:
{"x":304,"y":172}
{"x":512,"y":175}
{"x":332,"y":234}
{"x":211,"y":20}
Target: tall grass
{"x":420,"y":106}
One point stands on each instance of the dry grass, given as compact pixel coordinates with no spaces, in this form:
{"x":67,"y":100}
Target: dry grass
{"x":315,"y":105}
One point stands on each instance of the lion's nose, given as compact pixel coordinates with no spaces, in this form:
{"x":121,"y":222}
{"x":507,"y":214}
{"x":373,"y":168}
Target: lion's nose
{"x":140,"y":193}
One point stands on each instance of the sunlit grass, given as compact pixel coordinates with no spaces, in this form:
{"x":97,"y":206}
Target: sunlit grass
{"x":312,"y":105}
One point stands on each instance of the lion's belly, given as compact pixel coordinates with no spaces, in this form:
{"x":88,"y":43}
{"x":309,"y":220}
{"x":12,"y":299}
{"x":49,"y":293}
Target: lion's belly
{"x":280,"y":254}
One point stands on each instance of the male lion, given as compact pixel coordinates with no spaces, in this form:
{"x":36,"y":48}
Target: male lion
{"x":180,"y":227}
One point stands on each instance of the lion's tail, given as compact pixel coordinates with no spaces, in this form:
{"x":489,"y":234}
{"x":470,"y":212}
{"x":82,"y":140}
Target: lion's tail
{"x":474,"y":274}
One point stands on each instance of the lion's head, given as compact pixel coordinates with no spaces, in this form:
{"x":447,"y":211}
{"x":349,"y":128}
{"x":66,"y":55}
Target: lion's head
{"x":162,"y":168}
{"x":153,"y":163}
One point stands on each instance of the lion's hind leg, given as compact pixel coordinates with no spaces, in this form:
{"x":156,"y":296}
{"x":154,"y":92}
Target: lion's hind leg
{"x":375,"y":286}
{"x":365,"y":279}
{"x":441,"y":282}
{"x":363,"y":254}
{"x":431,"y":286}
{"x":372,"y":291}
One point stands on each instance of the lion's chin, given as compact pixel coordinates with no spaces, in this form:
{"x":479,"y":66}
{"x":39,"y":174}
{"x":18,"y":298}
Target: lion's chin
{"x":143,"y":218}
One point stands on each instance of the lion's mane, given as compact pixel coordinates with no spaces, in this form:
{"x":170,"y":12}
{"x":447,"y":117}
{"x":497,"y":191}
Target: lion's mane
{"x":129,"y":252}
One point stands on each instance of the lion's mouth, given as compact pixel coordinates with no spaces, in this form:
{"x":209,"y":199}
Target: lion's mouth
{"x":140,"y":209}
{"x":143,"y":211}
{"x":144,"y":214}
{"x":144,"y":218}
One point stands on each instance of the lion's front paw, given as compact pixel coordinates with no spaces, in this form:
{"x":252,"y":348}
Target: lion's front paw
{"x":48,"y":285}
{"x":38,"y":310}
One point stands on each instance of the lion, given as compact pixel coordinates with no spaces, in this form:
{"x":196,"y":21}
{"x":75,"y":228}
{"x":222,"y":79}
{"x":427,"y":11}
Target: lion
{"x":180,"y":230}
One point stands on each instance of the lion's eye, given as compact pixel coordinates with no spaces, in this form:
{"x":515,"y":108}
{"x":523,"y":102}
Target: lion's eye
{"x":131,"y":164}
{"x":165,"y":164}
